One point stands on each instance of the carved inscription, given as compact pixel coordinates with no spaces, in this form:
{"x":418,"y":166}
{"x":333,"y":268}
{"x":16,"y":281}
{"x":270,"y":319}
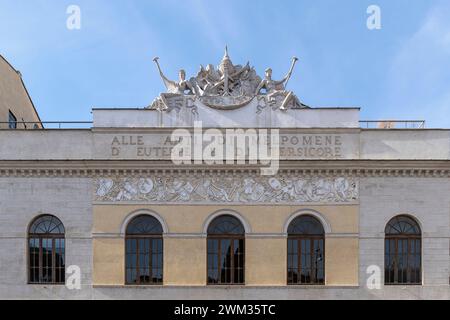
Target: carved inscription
{"x":311,"y":146}
{"x":292,"y":146}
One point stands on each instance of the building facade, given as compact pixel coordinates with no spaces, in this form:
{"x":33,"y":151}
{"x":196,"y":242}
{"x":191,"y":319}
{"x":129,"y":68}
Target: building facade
{"x":351,"y":213}
{"x":16,"y":107}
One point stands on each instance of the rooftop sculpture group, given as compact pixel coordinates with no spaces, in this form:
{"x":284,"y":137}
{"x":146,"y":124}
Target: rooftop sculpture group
{"x":227,"y":87}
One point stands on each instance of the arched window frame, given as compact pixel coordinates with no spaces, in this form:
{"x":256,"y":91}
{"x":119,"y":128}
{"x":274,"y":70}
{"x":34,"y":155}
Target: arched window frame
{"x":215,"y":244}
{"x":43,"y":268}
{"x":301,"y":247}
{"x":394,"y":244}
{"x":149,"y":246}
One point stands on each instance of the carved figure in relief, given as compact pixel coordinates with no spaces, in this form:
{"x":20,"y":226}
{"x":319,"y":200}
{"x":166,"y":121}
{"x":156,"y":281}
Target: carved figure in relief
{"x":281,"y":189}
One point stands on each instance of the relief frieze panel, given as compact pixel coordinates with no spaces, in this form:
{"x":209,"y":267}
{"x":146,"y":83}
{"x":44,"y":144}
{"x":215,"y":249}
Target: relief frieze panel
{"x":232,"y":189}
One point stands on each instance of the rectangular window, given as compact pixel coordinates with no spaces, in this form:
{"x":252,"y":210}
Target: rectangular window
{"x":47,"y":260}
{"x":403,"y":261}
{"x":144,"y":260}
{"x":226,"y":261}
{"x":306,"y":264}
{"x":12,"y":120}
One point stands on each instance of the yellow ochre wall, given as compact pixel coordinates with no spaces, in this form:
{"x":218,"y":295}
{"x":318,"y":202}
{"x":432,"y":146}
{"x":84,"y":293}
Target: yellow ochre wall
{"x":266,"y":242}
{"x":14,"y":97}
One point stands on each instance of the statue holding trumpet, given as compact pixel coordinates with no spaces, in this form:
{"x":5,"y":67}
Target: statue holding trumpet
{"x":228,"y":87}
{"x":175,"y":87}
{"x":275,"y":88}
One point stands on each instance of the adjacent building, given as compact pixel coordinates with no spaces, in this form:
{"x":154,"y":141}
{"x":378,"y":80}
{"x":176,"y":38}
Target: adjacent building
{"x":17,"y":110}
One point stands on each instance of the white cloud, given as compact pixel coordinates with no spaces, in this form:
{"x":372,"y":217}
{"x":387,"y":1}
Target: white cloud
{"x":419,"y":78}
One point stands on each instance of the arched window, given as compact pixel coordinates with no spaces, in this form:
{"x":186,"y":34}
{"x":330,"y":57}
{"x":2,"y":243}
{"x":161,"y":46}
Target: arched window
{"x":144,"y":251}
{"x":306,"y":251}
{"x":46,"y":248}
{"x":403,"y":247}
{"x":226,"y":241}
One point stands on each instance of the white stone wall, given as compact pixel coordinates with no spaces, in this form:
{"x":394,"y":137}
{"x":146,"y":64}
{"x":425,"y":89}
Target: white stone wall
{"x":85,"y":144}
{"x":426,"y":199}
{"x":245,"y":117}
{"x":270,"y":293}
{"x":21,"y":200}
{"x":426,"y":144}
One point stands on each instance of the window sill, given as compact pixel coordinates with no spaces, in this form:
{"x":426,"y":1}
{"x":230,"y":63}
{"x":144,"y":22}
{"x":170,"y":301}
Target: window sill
{"x":394,"y":285}
{"x":225,"y":287}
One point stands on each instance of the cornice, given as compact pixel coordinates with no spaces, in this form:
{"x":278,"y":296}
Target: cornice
{"x":165,"y":130}
{"x":108,"y":168}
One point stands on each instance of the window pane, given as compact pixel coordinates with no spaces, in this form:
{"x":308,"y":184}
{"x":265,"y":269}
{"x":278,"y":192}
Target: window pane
{"x":12,"y":120}
{"x":225,"y":261}
{"x":305,"y":225}
{"x":213,"y":276}
{"x":144,"y":225}
{"x":34,"y":260}
{"x":306,"y":265}
{"x":144,"y":261}
{"x":224,"y":225}
{"x":225,"y":251}
{"x":213,"y":246}
{"x":402,"y":257}
{"x":46,"y":247}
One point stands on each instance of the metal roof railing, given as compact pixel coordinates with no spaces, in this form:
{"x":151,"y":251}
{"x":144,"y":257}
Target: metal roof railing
{"x":365,"y":124}
{"x":47,"y":125}
{"x":393,"y":124}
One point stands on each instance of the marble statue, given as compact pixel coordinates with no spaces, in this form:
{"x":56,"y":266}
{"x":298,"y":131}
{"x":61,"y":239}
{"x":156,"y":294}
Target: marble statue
{"x":277,"y":88}
{"x":226,"y":87}
{"x":174,"y":87}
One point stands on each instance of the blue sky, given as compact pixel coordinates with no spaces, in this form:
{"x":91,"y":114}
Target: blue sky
{"x":399,"y":72}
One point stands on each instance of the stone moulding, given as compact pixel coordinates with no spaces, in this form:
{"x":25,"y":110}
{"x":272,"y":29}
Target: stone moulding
{"x":307,"y":169}
{"x":94,"y":172}
{"x":113,"y":172}
{"x":227,"y":189}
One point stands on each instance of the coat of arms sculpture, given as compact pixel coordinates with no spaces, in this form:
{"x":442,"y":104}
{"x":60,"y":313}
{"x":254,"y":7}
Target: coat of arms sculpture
{"x":227,"y":88}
